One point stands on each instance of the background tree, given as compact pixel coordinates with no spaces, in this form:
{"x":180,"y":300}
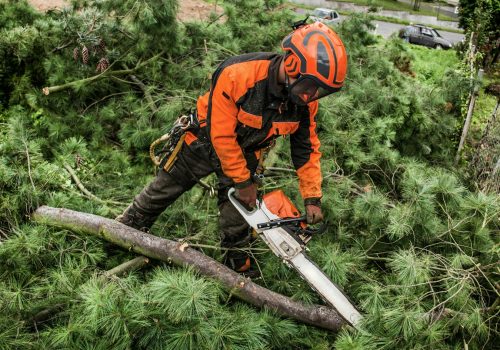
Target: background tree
{"x":482,"y":17}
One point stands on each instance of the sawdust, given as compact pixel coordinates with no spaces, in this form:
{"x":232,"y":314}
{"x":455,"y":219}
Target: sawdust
{"x":189,"y":10}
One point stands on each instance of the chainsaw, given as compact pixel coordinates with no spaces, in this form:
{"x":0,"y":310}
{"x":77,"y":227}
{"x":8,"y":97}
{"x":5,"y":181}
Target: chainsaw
{"x":279,"y":224}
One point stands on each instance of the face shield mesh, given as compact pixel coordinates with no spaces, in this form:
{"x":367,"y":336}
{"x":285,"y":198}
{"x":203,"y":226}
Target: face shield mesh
{"x":307,"y":89}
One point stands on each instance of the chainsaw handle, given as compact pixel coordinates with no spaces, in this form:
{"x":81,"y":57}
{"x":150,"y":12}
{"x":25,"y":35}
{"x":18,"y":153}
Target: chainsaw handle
{"x":317,"y":231}
{"x":232,"y":197}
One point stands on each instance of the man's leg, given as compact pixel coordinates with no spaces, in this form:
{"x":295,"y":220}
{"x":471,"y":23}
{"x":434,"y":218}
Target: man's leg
{"x":167,"y":187}
{"x":234,"y":230}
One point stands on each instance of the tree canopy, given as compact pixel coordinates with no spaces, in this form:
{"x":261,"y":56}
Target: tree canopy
{"x":409,"y":240}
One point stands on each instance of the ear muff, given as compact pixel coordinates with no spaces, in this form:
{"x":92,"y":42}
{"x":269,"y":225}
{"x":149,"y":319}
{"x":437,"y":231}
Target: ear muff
{"x":292,"y":65}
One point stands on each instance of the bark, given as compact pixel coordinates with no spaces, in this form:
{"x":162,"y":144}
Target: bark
{"x":180,"y":254}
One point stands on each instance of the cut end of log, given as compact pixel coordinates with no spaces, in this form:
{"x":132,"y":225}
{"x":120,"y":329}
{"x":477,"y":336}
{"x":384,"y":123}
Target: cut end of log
{"x":46,"y":91}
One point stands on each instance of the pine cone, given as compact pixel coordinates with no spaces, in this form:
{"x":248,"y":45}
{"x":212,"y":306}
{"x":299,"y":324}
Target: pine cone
{"x":106,"y":63}
{"x":85,"y":55}
{"x":102,"y":45}
{"x":76,"y":54}
{"x":102,"y":65}
{"x":99,"y":67}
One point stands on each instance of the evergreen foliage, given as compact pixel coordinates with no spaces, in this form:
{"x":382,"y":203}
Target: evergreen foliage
{"x":412,"y":245}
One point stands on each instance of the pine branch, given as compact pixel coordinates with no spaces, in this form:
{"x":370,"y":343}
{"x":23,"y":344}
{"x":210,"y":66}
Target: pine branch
{"x":127,"y":266}
{"x":107,"y":73}
{"x":47,"y":313}
{"x":144,"y":89}
{"x":117,"y":271}
{"x":180,"y":254}
{"x":102,"y":99}
{"x":29,"y":164}
{"x":82,"y":188}
{"x":357,"y":188}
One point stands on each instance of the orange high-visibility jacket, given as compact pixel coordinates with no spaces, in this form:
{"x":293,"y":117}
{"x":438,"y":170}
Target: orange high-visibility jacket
{"x":246,"y":109}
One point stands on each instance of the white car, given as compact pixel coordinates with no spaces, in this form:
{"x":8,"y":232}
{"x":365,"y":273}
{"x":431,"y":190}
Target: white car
{"x":326,"y":16}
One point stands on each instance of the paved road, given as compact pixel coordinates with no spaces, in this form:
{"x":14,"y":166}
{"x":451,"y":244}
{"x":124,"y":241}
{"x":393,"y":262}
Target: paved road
{"x":386,"y":29}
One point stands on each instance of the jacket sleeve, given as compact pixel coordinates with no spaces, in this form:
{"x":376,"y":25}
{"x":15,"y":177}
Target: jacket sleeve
{"x":306,"y":155}
{"x":222,"y":121}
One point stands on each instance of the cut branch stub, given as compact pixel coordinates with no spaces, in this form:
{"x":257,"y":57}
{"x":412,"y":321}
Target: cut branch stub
{"x":170,"y":251}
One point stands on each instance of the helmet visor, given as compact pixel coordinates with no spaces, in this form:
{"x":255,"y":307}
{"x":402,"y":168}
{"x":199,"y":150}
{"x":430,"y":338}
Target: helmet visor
{"x":307,"y":89}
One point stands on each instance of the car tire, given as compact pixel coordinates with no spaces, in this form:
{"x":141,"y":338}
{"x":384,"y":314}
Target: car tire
{"x":438,"y":47}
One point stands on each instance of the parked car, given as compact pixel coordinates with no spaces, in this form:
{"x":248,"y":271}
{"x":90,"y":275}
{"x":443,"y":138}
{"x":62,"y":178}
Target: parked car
{"x":422,"y":35}
{"x":326,"y":16}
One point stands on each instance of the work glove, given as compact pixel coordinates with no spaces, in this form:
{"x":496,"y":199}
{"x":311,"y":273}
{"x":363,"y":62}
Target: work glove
{"x":247,"y":195}
{"x":313,"y":214}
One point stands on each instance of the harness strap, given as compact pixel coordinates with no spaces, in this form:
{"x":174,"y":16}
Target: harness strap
{"x":168,"y":162}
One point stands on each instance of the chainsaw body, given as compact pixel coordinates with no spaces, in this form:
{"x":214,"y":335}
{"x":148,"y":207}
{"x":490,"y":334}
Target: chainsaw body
{"x":281,"y":227}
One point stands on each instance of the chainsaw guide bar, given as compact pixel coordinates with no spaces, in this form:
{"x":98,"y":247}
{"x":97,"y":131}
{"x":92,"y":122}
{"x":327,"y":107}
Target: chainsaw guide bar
{"x":276,"y":232}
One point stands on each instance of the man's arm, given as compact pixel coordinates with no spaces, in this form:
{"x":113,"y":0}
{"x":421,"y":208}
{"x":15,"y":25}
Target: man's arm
{"x":222,"y":122}
{"x":306,"y":157}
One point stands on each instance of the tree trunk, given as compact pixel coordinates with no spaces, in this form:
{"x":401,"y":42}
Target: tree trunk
{"x":468,"y":119}
{"x":180,"y":254}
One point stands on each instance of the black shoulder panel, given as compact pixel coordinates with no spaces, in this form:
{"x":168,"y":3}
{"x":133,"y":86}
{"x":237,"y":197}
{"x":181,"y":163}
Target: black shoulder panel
{"x":254,"y":56}
{"x":300,"y":142}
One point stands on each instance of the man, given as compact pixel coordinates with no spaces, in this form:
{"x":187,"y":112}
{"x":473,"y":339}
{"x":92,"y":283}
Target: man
{"x":253,"y":99}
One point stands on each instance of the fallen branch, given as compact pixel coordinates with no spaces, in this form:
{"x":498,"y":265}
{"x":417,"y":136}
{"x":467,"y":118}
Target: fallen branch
{"x":128,"y":266}
{"x":47,"y":313}
{"x":107,"y":73}
{"x":82,"y":188}
{"x":29,"y":164}
{"x":180,"y":254}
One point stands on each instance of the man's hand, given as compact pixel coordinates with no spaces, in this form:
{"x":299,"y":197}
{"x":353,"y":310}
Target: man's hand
{"x":313,"y":214}
{"x":247,"y":195}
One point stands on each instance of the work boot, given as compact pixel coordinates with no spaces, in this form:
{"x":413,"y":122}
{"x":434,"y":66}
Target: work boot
{"x":131,"y":217}
{"x":242,"y":263}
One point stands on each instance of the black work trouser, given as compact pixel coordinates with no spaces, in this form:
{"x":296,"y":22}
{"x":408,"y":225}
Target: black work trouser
{"x":193,"y":162}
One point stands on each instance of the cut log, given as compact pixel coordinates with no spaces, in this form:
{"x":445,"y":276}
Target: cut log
{"x":181,"y":255}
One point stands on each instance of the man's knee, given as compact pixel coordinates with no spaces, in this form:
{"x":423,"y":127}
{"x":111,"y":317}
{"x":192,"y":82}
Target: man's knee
{"x":234,"y":230}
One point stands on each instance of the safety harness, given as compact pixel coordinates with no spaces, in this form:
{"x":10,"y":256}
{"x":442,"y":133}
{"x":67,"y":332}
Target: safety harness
{"x":165,"y":158}
{"x":173,"y":140}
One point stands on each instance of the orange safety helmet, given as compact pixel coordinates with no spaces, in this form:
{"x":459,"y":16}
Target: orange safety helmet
{"x":316,"y":57}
